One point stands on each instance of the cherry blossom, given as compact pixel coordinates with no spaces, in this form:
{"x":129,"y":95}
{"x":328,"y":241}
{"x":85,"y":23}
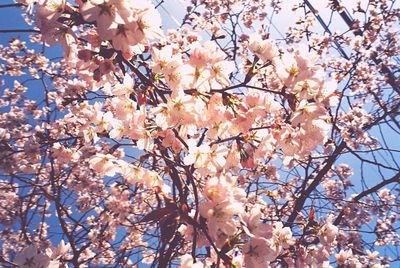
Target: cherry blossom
{"x":229,"y":141}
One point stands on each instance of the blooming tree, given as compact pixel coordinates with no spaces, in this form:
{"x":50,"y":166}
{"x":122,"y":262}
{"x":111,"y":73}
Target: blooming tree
{"x":209,"y":145}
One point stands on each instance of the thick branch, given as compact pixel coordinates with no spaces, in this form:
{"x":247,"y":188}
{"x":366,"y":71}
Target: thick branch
{"x":316,"y":181}
{"x":20,"y":31}
{"x":12,"y":5}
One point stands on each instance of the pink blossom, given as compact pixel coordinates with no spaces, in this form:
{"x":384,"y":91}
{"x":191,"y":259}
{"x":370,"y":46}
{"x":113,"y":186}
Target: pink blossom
{"x":30,"y":257}
{"x":104,"y":165}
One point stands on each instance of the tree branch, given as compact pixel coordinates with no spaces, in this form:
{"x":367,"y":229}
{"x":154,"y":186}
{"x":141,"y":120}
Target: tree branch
{"x":394,"y":179}
{"x":20,"y":31}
